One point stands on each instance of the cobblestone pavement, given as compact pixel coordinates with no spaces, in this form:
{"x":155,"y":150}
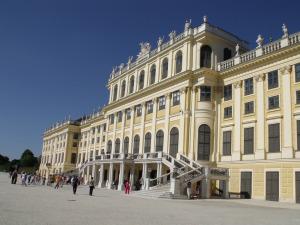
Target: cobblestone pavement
{"x":37,"y":205}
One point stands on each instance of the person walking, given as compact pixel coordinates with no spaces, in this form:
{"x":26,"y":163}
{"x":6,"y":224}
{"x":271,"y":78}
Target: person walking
{"x":91,"y":185}
{"x":127,"y":187}
{"x":14,"y":177}
{"x":75,"y":184}
{"x":188,"y":190}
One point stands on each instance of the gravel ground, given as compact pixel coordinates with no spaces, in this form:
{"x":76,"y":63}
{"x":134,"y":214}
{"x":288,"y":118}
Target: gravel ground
{"x":40,"y":205}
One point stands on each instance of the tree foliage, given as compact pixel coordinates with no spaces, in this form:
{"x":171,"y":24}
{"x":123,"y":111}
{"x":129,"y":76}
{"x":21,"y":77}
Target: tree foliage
{"x":27,"y":159}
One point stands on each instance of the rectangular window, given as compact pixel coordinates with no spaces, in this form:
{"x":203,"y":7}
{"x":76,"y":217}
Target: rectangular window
{"x":138,"y":110}
{"x":75,"y":136}
{"x":97,"y":152}
{"x":149,"y":106}
{"x":98,"y":129}
{"x":73,"y":158}
{"x":103,"y":138}
{"x":205,"y":93}
{"x":298,"y":135}
{"x":98,"y":139}
{"x":120,"y":114}
{"x":176,"y":98}
{"x":248,"y":86}
{"x":93,"y":140}
{"x":248,"y":140}
{"x":226,"y":143}
{"x":297,"y":72}
{"x":161,"y":102}
{"x":274,"y":137}
{"x":274,"y":102}
{"x":227,"y":92}
{"x":128,"y":114}
{"x":74,"y":144}
{"x":228,"y":112}
{"x":249,"y":107}
{"x":104,"y":127}
{"x":93,"y":130}
{"x":298,"y":97}
{"x":273,"y":79}
{"x":111,"y":119}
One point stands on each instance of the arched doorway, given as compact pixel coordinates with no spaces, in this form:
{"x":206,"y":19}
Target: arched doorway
{"x":203,"y":142}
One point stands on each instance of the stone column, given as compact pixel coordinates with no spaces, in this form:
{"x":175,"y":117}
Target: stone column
{"x":101,"y":171}
{"x":153,"y":130}
{"x":206,"y":185}
{"x":94,"y":171}
{"x":131,"y":130}
{"x":286,"y":101}
{"x":192,"y":124}
{"x":114,"y":133}
{"x":121,"y":176}
{"x":145,"y":171}
{"x":158,"y":173}
{"x":260,"y":116}
{"x":123,"y":131}
{"x":143,"y":104}
{"x":110,"y":175}
{"x":167,"y":114}
{"x":236,"y":153}
{"x":131,"y":178}
{"x":182,"y":120}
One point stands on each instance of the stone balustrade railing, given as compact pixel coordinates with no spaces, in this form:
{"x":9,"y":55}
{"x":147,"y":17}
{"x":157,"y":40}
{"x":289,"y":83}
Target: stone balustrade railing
{"x":259,"y":51}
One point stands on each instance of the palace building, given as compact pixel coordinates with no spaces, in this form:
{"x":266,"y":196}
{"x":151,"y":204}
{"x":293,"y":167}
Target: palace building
{"x":200,"y":108}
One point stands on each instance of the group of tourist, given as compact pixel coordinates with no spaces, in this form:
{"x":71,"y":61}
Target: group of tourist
{"x":59,"y":180}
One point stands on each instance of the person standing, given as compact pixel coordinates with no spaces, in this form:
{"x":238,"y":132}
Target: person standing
{"x":14,"y":177}
{"x":127,"y":187}
{"x":92,"y":186}
{"x":188,"y":190}
{"x":75,"y":184}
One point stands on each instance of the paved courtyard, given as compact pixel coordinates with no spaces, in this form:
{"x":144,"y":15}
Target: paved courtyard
{"x":37,"y":205}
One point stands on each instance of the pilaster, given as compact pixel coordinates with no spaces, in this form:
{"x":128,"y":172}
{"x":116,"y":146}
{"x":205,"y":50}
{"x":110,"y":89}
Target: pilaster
{"x":167,"y":115}
{"x":286,"y":101}
{"x":260,"y":115}
{"x":182,"y":120}
{"x":153,"y":130}
{"x":236,"y":154}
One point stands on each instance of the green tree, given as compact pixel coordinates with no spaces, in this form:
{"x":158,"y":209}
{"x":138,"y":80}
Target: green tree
{"x":27,"y":159}
{"x":3,"y":160}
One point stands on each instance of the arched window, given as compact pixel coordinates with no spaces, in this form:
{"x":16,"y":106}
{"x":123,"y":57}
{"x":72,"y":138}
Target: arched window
{"x":109,"y":147}
{"x":117,"y":146}
{"x":164,"y":72}
{"x":126,"y":145}
{"x":203,"y":142}
{"x":147,"y":143}
{"x":152,"y":74}
{"x":178,"y":60}
{"x":131,"y":87}
{"x":205,"y":58}
{"x":115,"y":92}
{"x":227,"y":53}
{"x":123,"y":88}
{"x":174,"y":136}
{"x":141,"y":80}
{"x":136,"y":144}
{"x":159,"y":141}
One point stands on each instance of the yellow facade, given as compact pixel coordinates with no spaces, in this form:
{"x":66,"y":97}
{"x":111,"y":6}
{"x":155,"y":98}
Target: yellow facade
{"x":211,"y":85}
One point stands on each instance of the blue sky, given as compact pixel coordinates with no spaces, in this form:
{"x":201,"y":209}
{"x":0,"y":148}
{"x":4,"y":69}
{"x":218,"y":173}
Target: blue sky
{"x":56,"y":55}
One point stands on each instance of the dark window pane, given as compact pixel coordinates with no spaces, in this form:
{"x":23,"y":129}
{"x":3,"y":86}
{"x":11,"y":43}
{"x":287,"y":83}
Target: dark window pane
{"x":274,"y":137}
{"x":297,"y":72}
{"x":248,"y":140}
{"x":205,"y":93}
{"x":249,"y":86}
{"x":274,"y":102}
{"x":228,"y":92}
{"x":226,"y":143}
{"x":298,"y":97}
{"x":228,"y":112}
{"x":249,"y":107}
{"x":273,"y":79}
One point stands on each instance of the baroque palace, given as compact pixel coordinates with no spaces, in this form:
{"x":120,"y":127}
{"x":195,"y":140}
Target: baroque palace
{"x":201,"y":108}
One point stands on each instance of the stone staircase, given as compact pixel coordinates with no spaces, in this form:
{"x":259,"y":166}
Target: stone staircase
{"x":159,"y":191}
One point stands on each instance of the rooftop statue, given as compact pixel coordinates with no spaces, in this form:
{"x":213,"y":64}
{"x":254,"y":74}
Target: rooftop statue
{"x":129,"y":60}
{"x":204,"y":19}
{"x":237,"y":50}
{"x":259,"y":41}
{"x":172,"y":35}
{"x":285,"y":31}
{"x":145,"y":49}
{"x":160,"y":41}
{"x":187,"y":25}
